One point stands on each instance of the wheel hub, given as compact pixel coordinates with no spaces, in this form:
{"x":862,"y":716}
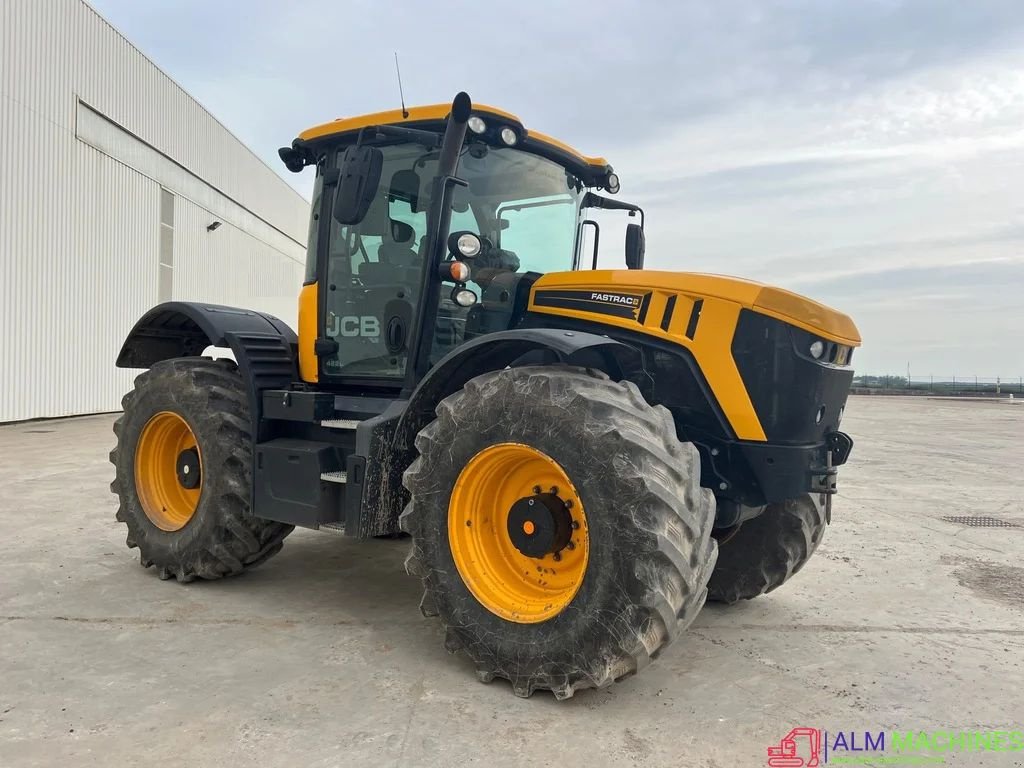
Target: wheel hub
{"x":540,"y":525}
{"x":188,"y":468}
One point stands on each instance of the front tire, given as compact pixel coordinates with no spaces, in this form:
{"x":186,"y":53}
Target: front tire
{"x":183,"y":465}
{"x":768,"y":550}
{"x":592,"y":455}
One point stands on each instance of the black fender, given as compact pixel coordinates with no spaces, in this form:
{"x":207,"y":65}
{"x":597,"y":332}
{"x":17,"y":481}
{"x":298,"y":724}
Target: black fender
{"x":493,"y":351}
{"x":265,"y":348}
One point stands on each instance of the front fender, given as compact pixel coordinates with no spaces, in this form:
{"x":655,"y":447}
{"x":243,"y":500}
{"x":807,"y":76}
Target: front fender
{"x":185,"y":329}
{"x":493,"y":351}
{"x":265,"y":348}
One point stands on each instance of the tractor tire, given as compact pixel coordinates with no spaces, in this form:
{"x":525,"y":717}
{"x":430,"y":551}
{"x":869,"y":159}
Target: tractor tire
{"x":768,"y":550}
{"x":187,"y":423}
{"x":588,"y":457}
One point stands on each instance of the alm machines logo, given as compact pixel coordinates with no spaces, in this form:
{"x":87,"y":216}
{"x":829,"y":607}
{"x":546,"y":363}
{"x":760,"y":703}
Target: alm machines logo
{"x":791,"y":752}
{"x":814,"y":747}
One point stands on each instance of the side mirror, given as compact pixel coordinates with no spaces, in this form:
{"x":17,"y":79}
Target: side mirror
{"x":405,"y":186}
{"x":635,"y":245}
{"x":357,"y":183}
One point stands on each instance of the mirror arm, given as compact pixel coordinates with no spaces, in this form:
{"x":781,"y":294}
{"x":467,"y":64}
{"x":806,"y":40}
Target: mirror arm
{"x":597,"y":237}
{"x":590,"y":200}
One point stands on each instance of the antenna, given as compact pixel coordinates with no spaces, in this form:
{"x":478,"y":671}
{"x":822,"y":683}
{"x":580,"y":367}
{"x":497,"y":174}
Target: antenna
{"x":398,"y":71}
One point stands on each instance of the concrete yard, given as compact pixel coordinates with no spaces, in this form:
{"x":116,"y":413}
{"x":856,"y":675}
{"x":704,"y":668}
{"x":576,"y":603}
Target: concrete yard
{"x":902,"y":621}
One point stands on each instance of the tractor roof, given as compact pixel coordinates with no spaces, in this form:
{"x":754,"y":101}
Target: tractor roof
{"x":434,"y":115}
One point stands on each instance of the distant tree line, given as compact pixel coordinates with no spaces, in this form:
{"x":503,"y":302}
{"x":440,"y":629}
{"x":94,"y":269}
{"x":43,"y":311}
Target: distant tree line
{"x":944,"y":384}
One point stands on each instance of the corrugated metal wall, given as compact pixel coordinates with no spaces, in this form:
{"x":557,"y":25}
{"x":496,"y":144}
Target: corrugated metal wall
{"x":80,"y":211}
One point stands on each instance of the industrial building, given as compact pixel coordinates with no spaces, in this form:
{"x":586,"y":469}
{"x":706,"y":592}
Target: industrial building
{"x":118,"y":190}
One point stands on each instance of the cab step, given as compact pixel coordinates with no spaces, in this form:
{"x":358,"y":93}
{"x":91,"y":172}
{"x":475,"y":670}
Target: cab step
{"x":340,"y":423}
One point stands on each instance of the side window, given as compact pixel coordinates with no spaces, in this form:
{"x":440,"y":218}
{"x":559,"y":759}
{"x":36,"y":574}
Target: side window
{"x":541,"y":232}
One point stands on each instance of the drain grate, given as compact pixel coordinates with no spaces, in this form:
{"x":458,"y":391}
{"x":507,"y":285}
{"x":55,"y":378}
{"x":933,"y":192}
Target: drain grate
{"x":980,"y":522}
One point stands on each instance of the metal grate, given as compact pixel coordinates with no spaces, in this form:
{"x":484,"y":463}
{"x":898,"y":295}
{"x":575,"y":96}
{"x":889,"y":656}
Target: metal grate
{"x":980,"y":522}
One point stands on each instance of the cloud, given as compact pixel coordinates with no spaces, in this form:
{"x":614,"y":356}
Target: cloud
{"x":867,"y":153}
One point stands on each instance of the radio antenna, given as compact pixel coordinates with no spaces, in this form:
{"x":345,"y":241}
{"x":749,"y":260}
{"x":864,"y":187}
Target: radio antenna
{"x":398,"y":71}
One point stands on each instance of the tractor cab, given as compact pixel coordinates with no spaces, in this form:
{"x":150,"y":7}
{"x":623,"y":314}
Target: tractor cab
{"x":416,"y":247}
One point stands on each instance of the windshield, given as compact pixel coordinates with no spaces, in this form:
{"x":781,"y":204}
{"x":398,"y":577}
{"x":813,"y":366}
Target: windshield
{"x":525,"y":209}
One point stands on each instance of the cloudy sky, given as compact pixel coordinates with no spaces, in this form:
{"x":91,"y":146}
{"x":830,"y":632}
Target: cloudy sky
{"x":867,"y":154}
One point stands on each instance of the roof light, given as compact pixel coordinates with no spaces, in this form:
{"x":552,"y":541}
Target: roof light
{"x":612,"y":183}
{"x":476,"y":124}
{"x":817,"y":349}
{"x":508,"y":135}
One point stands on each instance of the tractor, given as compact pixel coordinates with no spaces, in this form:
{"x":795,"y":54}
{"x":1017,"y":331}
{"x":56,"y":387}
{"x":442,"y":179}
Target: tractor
{"x":580,"y":457}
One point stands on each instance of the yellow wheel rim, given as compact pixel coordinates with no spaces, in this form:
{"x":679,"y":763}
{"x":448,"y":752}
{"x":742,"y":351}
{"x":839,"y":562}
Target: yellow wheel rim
{"x":159,"y":481}
{"x":492,"y":489}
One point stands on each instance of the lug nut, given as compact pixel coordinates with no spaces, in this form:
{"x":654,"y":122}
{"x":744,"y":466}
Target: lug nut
{"x":554,"y":490}
{"x":575,"y":525}
{"x":537,"y":489}
{"x":570,"y":545}
{"x":557,"y":556}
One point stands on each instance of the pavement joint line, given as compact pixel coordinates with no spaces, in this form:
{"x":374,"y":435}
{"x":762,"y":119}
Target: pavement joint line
{"x":267,"y":621}
{"x":861,"y":629}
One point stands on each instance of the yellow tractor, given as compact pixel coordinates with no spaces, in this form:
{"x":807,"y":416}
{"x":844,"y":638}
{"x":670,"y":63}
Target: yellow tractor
{"x":580,"y":456}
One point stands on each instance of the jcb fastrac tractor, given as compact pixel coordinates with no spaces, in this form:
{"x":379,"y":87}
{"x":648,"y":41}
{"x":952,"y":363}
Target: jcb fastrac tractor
{"x":580,"y":456}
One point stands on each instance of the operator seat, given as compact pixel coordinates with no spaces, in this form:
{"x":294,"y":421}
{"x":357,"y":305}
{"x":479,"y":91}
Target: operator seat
{"x":399,"y":249}
{"x":398,"y":262}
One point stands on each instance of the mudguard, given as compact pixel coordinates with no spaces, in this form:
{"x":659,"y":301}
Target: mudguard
{"x":521,"y":346}
{"x":264,"y":347}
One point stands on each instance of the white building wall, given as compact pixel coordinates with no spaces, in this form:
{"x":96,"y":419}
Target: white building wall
{"x":91,"y":132}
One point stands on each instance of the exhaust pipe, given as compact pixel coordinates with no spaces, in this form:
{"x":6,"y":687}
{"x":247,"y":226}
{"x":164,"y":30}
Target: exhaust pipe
{"x":454,"y":134}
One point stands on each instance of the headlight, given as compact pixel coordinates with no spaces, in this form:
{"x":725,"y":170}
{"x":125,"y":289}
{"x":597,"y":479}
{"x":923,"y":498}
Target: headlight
{"x":476,"y":124}
{"x":464,"y":297}
{"x":612,"y":183}
{"x":464,"y":244}
{"x":509,"y":136}
{"x":817,"y":349}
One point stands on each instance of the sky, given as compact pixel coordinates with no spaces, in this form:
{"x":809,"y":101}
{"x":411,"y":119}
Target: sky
{"x":867,"y":154}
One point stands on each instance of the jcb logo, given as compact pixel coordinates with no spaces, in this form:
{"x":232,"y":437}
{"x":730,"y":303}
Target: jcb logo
{"x":355,"y":325}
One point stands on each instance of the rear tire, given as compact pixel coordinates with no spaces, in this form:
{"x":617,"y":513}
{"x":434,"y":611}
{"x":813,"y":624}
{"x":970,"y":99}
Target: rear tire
{"x":646,"y":521}
{"x":219,"y":536}
{"x":767,"y":551}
